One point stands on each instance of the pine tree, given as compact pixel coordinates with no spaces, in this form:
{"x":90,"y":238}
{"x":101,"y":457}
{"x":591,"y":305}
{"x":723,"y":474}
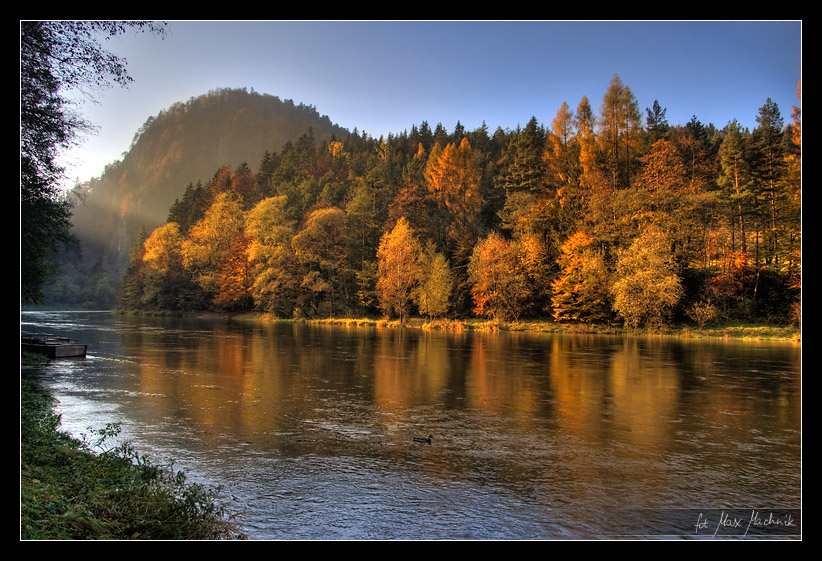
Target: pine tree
{"x":734,"y":177}
{"x":655,"y":123}
{"x":620,"y":124}
{"x":767,"y":174}
{"x":523,"y":165}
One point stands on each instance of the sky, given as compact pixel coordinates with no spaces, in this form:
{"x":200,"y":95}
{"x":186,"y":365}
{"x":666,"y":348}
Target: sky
{"x":384,"y":77}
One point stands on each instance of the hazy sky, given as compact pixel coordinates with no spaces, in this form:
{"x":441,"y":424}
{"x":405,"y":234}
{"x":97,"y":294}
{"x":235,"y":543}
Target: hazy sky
{"x":384,"y":77}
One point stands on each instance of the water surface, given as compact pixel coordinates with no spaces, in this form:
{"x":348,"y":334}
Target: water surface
{"x":309,"y":429}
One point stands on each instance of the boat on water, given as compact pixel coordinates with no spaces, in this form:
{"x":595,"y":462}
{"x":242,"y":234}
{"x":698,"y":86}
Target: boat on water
{"x":53,"y":347}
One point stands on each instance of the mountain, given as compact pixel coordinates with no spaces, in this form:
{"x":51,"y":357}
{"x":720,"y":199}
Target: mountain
{"x":184,"y":144}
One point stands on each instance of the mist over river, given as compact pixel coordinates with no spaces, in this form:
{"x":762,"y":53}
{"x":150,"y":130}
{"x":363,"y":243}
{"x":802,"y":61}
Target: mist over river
{"x":309,"y":430}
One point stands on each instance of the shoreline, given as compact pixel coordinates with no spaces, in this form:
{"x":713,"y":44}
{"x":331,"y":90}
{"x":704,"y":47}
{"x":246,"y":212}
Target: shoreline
{"x":728,"y":331}
{"x":743,"y":332}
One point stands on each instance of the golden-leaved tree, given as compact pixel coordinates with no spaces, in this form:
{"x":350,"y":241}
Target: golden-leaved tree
{"x":499,"y":287}
{"x":581,"y":291}
{"x":211,"y":240}
{"x":453,"y":178}
{"x":234,"y":278}
{"x":436,"y":282}
{"x":398,"y":262}
{"x":647,"y":286}
{"x":163,"y":274}
{"x":271,"y":230}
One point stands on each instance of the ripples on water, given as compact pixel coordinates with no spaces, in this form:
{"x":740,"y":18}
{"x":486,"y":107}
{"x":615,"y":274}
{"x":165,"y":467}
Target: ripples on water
{"x":308,"y":430}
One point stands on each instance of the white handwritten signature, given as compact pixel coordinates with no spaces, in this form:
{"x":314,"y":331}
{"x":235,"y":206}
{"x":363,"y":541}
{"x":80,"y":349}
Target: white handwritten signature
{"x":727,"y":522}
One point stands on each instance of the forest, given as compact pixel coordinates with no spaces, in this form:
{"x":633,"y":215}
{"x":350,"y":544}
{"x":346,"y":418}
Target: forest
{"x":608,"y":215}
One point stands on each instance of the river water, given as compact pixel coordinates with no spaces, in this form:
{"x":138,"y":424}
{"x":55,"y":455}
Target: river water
{"x":309,"y":430}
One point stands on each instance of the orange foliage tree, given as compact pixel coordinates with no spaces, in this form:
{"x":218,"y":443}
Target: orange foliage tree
{"x":234,"y":278}
{"x":580,"y":292}
{"x":499,"y":288}
{"x":453,"y":178}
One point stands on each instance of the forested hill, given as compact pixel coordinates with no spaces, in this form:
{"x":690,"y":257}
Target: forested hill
{"x":184,"y":144}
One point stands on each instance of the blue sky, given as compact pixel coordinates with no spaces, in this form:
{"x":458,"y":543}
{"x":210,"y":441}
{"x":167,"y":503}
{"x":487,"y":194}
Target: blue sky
{"x":385,"y":76}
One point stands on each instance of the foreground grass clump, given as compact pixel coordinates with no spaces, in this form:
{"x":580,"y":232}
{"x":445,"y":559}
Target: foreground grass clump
{"x":69,"y":492}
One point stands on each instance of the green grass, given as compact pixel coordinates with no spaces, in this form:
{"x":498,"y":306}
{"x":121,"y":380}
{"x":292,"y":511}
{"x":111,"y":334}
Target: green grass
{"x":74,"y":489}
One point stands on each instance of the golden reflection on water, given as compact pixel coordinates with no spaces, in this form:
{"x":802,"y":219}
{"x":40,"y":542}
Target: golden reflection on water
{"x":560,"y":430}
{"x":593,"y":389}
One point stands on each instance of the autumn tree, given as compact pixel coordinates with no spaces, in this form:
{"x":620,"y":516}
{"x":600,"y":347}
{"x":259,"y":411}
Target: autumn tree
{"x":398,"y":261}
{"x":562,"y":150}
{"x":647,"y":286}
{"x":620,"y":124}
{"x":234,"y":277}
{"x":793,"y":195}
{"x":271,"y":230}
{"x":415,"y":202}
{"x":242,"y":183}
{"x":581,"y":291}
{"x":210,"y":241}
{"x":499,"y":289}
{"x":453,"y":178}
{"x":673,"y":194}
{"x":320,"y":249}
{"x":167,"y":284}
{"x":585,"y":122}
{"x":433,"y":293}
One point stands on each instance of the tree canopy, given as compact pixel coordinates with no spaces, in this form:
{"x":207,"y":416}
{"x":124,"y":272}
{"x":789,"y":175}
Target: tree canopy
{"x":595,"y":218}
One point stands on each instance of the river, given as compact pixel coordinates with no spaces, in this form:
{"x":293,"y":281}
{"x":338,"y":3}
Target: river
{"x":309,"y":430}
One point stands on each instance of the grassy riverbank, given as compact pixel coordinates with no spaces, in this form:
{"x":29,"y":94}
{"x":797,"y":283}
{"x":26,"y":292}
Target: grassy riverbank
{"x":729,"y":331}
{"x":73,"y":489}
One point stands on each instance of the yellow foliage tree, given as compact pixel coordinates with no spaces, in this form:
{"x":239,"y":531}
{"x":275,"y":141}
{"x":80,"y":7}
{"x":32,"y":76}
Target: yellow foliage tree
{"x":271,"y":256}
{"x":433,"y":294}
{"x":647,"y":286}
{"x":163,"y":248}
{"x":210,"y":240}
{"x":398,"y":273}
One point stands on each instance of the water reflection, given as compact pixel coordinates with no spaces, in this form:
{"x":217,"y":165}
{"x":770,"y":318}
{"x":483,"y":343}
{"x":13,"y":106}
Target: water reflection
{"x":535,"y":436}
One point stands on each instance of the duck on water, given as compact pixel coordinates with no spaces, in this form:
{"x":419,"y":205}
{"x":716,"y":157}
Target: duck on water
{"x":423,"y":440}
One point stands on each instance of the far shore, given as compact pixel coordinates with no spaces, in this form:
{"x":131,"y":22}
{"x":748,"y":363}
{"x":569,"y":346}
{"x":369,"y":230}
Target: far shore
{"x":714,"y":330}
{"x":725,"y":331}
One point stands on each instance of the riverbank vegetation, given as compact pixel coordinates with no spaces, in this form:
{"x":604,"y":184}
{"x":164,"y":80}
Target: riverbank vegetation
{"x":83,"y":490}
{"x":759,"y":332}
{"x":598,"y":219}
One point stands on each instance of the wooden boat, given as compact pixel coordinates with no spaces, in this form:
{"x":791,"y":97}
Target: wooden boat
{"x":53,"y":347}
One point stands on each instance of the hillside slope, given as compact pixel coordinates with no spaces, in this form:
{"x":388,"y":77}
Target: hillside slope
{"x":184,"y":144}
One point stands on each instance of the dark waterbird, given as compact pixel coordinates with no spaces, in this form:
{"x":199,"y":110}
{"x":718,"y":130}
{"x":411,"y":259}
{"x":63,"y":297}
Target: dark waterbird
{"x":423,"y":440}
